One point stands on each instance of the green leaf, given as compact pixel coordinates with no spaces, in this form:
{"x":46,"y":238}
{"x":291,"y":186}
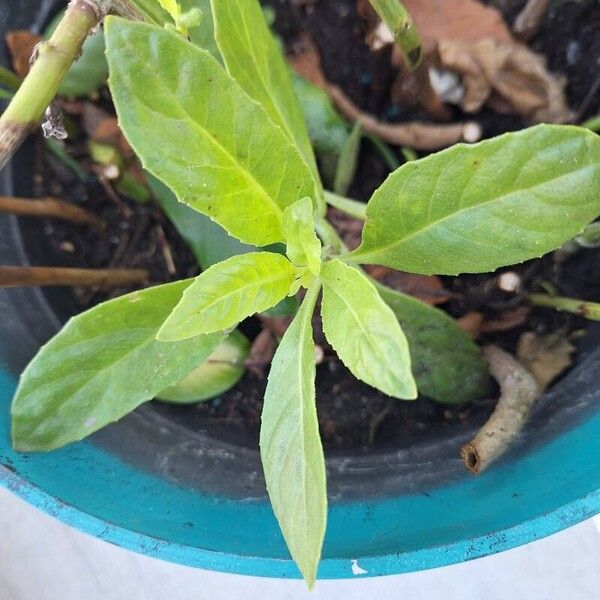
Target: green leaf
{"x":208,"y":241}
{"x":102,"y":365}
{"x":327,"y":131}
{"x":303,"y":245}
{"x":446,"y":364}
{"x":198,"y":132}
{"x":203,"y":35}
{"x":253,"y":57}
{"x":218,"y":373}
{"x":228,"y":292}
{"x":347,"y":162}
{"x":471,"y":209}
{"x":364,"y":331}
{"x":90,"y":71}
{"x":290,"y":446}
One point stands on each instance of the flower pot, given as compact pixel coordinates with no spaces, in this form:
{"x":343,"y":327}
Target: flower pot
{"x":151,"y":485}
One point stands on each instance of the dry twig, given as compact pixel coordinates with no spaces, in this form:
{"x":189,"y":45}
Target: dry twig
{"x":11,"y":277}
{"x":529,"y":20}
{"x":49,"y":207}
{"x":420,"y":136}
{"x":518,"y":393}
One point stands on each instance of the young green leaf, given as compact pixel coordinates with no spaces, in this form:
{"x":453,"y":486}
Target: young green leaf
{"x":364,"y":332}
{"x":102,"y":365}
{"x":446,"y":364}
{"x":254,"y":59}
{"x":218,"y":373}
{"x":208,"y":241}
{"x":290,"y":446}
{"x":303,"y":245}
{"x":198,"y":132}
{"x":472,"y":209}
{"x":227,"y":293}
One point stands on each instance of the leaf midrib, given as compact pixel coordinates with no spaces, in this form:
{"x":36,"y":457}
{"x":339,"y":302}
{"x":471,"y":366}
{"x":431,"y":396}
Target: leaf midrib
{"x":206,"y":134}
{"x":502,"y":197}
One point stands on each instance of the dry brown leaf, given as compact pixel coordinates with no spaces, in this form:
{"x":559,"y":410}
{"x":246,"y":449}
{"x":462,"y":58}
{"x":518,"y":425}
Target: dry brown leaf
{"x":427,"y":288}
{"x":546,"y":356}
{"x":507,"y":320}
{"x":306,"y":61}
{"x":21,"y":45}
{"x":471,"y":324}
{"x":508,"y":77}
{"x":261,"y":352}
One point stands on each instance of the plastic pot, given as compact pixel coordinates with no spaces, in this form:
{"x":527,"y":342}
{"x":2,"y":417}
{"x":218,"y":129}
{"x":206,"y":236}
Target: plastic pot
{"x":153,"y":486}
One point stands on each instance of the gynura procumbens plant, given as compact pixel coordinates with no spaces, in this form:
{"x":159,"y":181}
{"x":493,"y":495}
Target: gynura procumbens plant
{"x":227,"y":136}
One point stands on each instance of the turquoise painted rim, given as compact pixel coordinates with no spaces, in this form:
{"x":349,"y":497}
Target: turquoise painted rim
{"x":516,"y":503}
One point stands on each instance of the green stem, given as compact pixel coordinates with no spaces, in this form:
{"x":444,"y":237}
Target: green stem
{"x":589,"y":310}
{"x":406,"y":36}
{"x":9,"y":79}
{"x":354,"y":208}
{"x":593,"y":124}
{"x":391,"y":160}
{"x":333,"y":243}
{"x":38,"y":89}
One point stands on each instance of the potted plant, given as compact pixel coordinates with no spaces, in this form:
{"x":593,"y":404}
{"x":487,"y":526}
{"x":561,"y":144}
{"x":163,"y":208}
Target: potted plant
{"x":227,"y":136}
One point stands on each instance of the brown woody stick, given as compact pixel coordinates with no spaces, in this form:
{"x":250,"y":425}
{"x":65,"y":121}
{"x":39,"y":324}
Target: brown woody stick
{"x":49,"y":207}
{"x":11,"y":277}
{"x":420,"y":136}
{"x":529,"y":20}
{"x":518,"y":393}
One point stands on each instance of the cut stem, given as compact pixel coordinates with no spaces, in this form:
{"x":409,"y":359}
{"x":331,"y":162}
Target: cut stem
{"x":54,"y":58}
{"x":11,"y":277}
{"x":49,"y":207}
{"x":589,"y":310}
{"x":518,"y":393}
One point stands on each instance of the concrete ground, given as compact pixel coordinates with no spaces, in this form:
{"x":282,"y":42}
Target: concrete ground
{"x":42,"y":559}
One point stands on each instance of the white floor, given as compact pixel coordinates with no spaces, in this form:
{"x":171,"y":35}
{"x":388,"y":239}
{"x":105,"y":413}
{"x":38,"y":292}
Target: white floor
{"x":42,"y":559}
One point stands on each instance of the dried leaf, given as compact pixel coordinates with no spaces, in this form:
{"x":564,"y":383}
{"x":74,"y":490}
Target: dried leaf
{"x":21,"y":45}
{"x":471,"y":324}
{"x":508,"y":77}
{"x":507,"y":320}
{"x":427,"y":288}
{"x":261,"y":352}
{"x":546,"y":356}
{"x":306,"y":61}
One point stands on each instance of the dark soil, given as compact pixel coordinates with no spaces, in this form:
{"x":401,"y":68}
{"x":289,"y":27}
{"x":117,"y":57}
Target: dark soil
{"x":352,"y":415}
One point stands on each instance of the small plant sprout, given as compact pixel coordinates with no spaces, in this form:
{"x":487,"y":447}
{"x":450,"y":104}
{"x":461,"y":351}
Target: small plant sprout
{"x":225,"y":133}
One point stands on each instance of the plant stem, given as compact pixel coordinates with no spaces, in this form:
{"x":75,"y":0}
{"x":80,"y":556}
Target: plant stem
{"x":11,"y":277}
{"x":518,"y":393}
{"x":354,"y":208}
{"x":406,"y":36}
{"x":9,"y":79}
{"x":49,"y":207}
{"x":391,"y":160}
{"x":54,"y":59}
{"x":589,"y":310}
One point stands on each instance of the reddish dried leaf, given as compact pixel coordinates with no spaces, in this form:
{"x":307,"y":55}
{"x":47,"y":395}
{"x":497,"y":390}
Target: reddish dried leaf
{"x":471,"y":324}
{"x":507,"y":321}
{"x":21,"y":45}
{"x":427,"y":288}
